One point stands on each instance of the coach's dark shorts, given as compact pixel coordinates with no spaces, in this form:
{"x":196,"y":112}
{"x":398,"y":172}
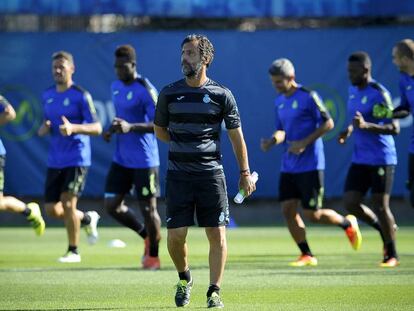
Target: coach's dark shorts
{"x":378,"y":178}
{"x":2,"y":165}
{"x":306,"y":187}
{"x":206,"y":198}
{"x":120,"y":180}
{"x":68,"y":179}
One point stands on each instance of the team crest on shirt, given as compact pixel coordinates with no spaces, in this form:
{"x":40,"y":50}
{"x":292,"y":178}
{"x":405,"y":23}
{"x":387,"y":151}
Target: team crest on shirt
{"x":129,"y":95}
{"x":364,"y":100}
{"x":206,"y":99}
{"x":66,"y":102}
{"x":295,"y":104}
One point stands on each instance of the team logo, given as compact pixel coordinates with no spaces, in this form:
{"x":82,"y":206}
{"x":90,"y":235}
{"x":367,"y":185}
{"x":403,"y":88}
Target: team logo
{"x":295,"y":104}
{"x":66,"y":102}
{"x":129,"y":95}
{"x":364,"y":100}
{"x":206,"y":99}
{"x":28,"y":113}
{"x":335,"y":106}
{"x":381,"y":171}
{"x":180,"y":98}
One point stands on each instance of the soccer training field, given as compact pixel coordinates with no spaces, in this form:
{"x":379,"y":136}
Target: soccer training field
{"x":257,"y":276}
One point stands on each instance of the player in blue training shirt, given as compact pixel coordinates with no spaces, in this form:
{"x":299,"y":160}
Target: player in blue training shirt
{"x":403,"y":58}
{"x":301,"y":121}
{"x":136,"y":161}
{"x":374,"y":156}
{"x":69,"y":118}
{"x":8,"y":203}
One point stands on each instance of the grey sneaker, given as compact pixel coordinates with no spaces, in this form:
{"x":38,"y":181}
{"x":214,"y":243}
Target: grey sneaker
{"x":214,"y":301}
{"x":182,"y":295}
{"x":91,"y":229}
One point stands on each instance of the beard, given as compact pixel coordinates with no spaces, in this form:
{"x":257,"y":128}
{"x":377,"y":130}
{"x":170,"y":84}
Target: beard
{"x":191,"y":71}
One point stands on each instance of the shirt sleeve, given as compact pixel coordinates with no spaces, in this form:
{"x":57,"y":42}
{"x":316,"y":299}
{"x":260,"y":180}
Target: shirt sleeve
{"x":231,"y":113}
{"x":318,"y":108}
{"x":88,"y":109}
{"x":162,"y":116}
{"x":278,"y":123}
{"x":384,"y":98}
{"x":149,"y":104}
{"x":404,"y":101}
{"x":3,"y":104}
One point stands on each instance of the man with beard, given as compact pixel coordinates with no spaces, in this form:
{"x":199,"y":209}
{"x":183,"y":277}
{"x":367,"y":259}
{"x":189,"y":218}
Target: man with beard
{"x":374,"y":156}
{"x":135,"y":162}
{"x":69,"y":117}
{"x":188,"y":117}
{"x":301,"y":121}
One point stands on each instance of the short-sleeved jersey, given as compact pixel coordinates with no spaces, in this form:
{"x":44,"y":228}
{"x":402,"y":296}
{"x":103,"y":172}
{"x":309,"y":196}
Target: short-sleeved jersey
{"x":193,"y":116}
{"x":135,"y":103}
{"x":77,"y":106}
{"x":407,"y":99}
{"x":371,"y":148}
{"x":298,"y":116}
{"x":3,"y":104}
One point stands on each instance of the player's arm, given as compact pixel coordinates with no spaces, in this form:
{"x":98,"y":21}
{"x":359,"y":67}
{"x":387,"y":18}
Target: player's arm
{"x":240,"y":151}
{"x":8,"y":114}
{"x":162,"y":133}
{"x":67,"y":128}
{"x":277,"y":138}
{"x":44,"y":129}
{"x":344,"y":135}
{"x":392,"y":128}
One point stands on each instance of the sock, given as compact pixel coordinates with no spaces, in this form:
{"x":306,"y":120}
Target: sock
{"x":304,"y":248}
{"x":390,"y":250}
{"x":345,"y":224}
{"x":211,"y":289}
{"x":86,"y":220}
{"x":73,"y":249}
{"x":186,"y":275}
{"x":27,"y":211}
{"x":153,"y":251}
{"x":377,"y":227}
{"x":129,"y":220}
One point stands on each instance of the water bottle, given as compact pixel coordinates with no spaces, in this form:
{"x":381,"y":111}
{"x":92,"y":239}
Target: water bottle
{"x":239,"y":198}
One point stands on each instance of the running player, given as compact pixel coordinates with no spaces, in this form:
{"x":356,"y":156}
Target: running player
{"x":136,"y":161}
{"x":70,"y":118}
{"x":374,"y":157}
{"x":8,"y":203}
{"x":301,"y":121}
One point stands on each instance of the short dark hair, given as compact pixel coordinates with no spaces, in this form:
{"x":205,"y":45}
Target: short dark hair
{"x":126,"y":51}
{"x":205,"y":47}
{"x":64,"y":55}
{"x":361,"y":57}
{"x":406,"y":48}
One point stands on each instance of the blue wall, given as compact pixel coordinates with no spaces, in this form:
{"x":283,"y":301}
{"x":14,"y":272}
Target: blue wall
{"x":241,"y":63}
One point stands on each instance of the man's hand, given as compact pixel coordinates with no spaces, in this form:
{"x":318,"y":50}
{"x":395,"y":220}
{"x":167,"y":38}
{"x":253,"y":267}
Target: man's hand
{"x":266,"y":143}
{"x":359,"y":121}
{"x":297,"y":146}
{"x":342,"y":137}
{"x":66,"y":129}
{"x":246,"y":183}
{"x":121,"y":126}
{"x":44,"y":128}
{"x":107,"y":135}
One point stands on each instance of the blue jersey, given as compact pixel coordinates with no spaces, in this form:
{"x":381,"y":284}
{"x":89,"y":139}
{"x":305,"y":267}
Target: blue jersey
{"x":77,"y":106}
{"x":135,"y":103}
{"x":407,"y":99}
{"x":299,"y":115}
{"x":371,"y":148}
{"x":3,"y":104}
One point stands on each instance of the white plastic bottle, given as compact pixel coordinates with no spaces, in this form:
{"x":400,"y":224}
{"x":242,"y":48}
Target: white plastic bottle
{"x":239,"y":198}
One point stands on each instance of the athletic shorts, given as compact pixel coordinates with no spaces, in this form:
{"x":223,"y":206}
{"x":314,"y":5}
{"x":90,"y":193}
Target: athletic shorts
{"x":378,"y":178}
{"x":68,"y":179}
{"x":2,"y":165}
{"x":306,"y":187}
{"x":120,"y":180}
{"x":204,"y":198}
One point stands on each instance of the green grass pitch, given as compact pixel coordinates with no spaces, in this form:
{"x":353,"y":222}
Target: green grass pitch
{"x":257,"y":276}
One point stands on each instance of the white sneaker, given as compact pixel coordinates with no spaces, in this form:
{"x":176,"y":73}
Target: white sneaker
{"x":70,"y":257}
{"x":91,"y":229}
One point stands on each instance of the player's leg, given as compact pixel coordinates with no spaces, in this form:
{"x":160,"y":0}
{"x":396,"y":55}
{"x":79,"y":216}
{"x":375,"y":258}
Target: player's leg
{"x":147,"y":188}
{"x":212,"y":212}
{"x":118,"y":184}
{"x":311,"y":186}
{"x":179,"y":216}
{"x":383,"y":177}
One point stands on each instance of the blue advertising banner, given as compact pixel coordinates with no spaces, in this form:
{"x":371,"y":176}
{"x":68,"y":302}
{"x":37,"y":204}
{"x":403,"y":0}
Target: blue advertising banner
{"x":212,"y":8}
{"x":240,"y":63}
